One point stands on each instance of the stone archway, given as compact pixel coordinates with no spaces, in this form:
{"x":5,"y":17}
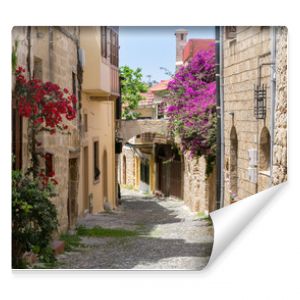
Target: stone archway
{"x":131,"y":128}
{"x":233,"y":162}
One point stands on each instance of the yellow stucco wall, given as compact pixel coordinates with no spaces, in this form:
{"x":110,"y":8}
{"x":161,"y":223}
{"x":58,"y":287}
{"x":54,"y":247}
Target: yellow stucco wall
{"x":101,"y":128}
{"x":152,"y":174}
{"x":98,"y":105}
{"x":97,"y":70}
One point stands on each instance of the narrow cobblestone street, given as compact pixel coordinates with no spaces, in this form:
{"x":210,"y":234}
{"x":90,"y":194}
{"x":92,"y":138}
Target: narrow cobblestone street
{"x":169,"y":237}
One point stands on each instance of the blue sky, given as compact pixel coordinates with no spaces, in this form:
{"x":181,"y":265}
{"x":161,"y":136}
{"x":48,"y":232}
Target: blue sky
{"x":153,"y":47}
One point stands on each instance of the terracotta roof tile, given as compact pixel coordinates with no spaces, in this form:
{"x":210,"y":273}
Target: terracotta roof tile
{"x":161,"y":86}
{"x":193,"y":46}
{"x":148,"y":99}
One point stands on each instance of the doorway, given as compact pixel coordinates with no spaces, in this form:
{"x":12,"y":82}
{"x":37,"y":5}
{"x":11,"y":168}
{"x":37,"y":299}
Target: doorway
{"x":72,"y":192}
{"x":85,"y":172}
{"x":144,"y":182}
{"x":105,"y":176}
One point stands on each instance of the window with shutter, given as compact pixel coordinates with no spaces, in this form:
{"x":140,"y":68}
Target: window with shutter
{"x":104,"y":41}
{"x":114,"y":47}
{"x":96,"y":161}
{"x":49,"y":165}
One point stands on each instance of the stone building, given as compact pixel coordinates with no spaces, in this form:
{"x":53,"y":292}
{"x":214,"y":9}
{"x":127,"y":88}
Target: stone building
{"x":254,"y":85}
{"x":280,"y":130}
{"x":199,"y":192}
{"x":51,"y":54}
{"x":138,"y":164}
{"x":100,"y":93}
{"x":170,"y":173}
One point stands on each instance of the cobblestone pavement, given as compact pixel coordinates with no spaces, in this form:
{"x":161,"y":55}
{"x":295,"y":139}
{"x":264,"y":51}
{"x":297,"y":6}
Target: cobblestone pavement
{"x":171,"y":237}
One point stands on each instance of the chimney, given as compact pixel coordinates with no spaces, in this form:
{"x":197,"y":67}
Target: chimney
{"x":181,"y":37}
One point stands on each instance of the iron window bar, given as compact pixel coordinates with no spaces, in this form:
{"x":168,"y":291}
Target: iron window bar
{"x":260,"y":93}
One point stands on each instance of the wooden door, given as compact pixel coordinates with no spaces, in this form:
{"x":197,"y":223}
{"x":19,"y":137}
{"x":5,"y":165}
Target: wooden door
{"x":85,"y":178}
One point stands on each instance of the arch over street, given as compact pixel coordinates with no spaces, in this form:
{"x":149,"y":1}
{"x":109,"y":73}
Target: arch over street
{"x":130,"y":128}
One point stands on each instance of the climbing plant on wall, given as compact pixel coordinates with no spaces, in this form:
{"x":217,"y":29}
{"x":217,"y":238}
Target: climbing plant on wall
{"x":47,"y":107}
{"x":191,"y":107}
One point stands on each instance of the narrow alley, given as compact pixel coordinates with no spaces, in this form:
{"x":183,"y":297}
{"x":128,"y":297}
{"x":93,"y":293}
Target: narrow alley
{"x":164,"y":234}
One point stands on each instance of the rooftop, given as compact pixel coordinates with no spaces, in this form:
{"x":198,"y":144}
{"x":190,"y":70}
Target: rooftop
{"x":147,"y":99}
{"x":161,"y":86}
{"x":193,"y":46}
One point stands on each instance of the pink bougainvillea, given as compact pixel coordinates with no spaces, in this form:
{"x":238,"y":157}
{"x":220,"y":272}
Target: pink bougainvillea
{"x":191,"y":106}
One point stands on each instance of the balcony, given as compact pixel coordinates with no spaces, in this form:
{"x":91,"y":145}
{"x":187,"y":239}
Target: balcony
{"x":100,"y":78}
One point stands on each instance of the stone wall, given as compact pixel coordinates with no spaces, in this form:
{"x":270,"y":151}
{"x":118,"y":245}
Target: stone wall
{"x":127,"y":178}
{"x":146,"y":111}
{"x":199,"y":192}
{"x":57,"y":51}
{"x":242,"y":57}
{"x":280,"y":133}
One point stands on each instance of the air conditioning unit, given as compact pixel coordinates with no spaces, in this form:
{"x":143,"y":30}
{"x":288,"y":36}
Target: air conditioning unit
{"x":252,"y":155}
{"x":252,"y":175}
{"x":81,"y":54}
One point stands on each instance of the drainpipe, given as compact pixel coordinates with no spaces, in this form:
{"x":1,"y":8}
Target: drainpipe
{"x":273,"y":97}
{"x":220,"y":116}
{"x":28,"y":58}
{"x":51,"y":47}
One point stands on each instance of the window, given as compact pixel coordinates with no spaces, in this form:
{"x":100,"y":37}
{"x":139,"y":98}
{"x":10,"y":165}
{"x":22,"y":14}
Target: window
{"x":49,"y":169}
{"x":230,"y":32}
{"x":233,"y":171}
{"x":74,"y":89}
{"x":114,"y":48}
{"x":17,"y":131}
{"x":145,"y":171}
{"x":85,"y":120}
{"x":38,"y":68}
{"x":181,"y":36}
{"x":104,"y":41}
{"x":161,"y":110}
{"x":96,"y":161}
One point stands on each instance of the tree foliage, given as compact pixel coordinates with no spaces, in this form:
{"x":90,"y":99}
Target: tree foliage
{"x":131,"y":89}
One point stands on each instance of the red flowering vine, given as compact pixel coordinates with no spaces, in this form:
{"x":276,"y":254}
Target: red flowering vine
{"x":46,"y":106}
